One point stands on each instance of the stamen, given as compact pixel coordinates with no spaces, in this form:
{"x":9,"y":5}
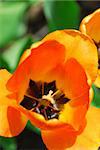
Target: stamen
{"x":55,"y":115}
{"x":58,"y":93}
{"x":34,"y":98}
{"x":54,"y":108}
{"x":49,"y":97}
{"x":45,"y":114}
{"x":28,"y":103}
{"x":44,"y":98}
{"x":37,"y":109}
{"x":42,"y":88}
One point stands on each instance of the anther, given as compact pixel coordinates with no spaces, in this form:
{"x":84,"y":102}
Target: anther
{"x":44,"y":98}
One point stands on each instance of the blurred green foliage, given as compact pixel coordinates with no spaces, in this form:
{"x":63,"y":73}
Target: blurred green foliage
{"x":3,"y":63}
{"x":8,"y":143}
{"x":12,"y":55}
{"x":96,"y":99}
{"x":14,"y":39}
{"x":62,"y":14}
{"x":11,"y":21}
{"x":33,"y":128}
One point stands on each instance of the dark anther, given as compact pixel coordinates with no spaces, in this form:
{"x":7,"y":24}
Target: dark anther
{"x":98,"y":148}
{"x":49,"y":86}
{"x":60,"y":99}
{"x":63,"y":100}
{"x":47,"y":110}
{"x":28,"y":103}
{"x":44,"y":98}
{"x":35,"y":89}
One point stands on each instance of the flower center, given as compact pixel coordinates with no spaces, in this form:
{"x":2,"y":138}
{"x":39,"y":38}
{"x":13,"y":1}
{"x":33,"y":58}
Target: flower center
{"x":99,"y":148}
{"x":44,"y":98}
{"x":98,"y":48}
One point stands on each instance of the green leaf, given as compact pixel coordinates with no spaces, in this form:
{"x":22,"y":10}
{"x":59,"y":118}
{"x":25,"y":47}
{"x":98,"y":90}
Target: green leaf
{"x":62,"y":14}
{"x":11,"y":21}
{"x":8,"y":143}
{"x":28,"y":1}
{"x":3,"y":63}
{"x":32,"y":1}
{"x":12,"y":55}
{"x":96,"y":99}
{"x":33,"y":128}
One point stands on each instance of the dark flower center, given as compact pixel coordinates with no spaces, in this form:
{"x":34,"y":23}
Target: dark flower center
{"x":98,"y":48}
{"x":99,"y":148}
{"x":44,"y":98}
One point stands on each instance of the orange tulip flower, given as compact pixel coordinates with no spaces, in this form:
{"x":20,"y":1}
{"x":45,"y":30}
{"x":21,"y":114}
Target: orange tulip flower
{"x":90,"y":25}
{"x":51,"y":87}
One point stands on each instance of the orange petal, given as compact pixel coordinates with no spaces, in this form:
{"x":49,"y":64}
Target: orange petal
{"x":45,"y":54}
{"x":19,"y":81}
{"x":40,"y":62}
{"x":28,"y":51}
{"x":90,"y":25}
{"x":90,"y":138}
{"x":97,"y":81}
{"x":73,"y":81}
{"x":25,"y":55}
{"x":4,"y":76}
{"x":74,"y":116}
{"x":78,"y":46}
{"x":12,"y":121}
{"x":59,"y":139}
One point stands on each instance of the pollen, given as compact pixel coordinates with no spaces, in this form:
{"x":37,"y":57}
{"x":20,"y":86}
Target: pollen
{"x":49,"y":97}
